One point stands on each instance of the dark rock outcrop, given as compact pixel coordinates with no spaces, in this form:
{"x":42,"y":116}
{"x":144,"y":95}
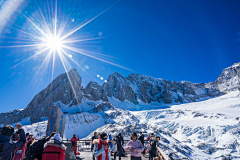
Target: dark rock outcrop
{"x":64,"y":88}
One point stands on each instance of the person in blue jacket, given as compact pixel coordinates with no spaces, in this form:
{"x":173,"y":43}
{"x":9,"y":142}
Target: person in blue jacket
{"x":7,"y":146}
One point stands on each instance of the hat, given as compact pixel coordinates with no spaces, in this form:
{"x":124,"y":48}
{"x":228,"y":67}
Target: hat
{"x":119,"y":134}
{"x":103,"y":135}
{"x":7,"y":130}
{"x":57,"y":137}
{"x":152,"y":134}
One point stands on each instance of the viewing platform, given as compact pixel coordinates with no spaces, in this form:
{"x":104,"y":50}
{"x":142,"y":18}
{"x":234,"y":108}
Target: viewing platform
{"x":84,"y":147}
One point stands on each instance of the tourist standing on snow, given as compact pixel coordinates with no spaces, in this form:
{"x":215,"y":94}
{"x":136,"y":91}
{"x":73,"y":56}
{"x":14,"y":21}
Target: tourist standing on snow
{"x":120,"y":142}
{"x":7,"y":146}
{"x":135,"y":147}
{"x":102,"y":149}
{"x":74,"y":140}
{"x":153,"y":147}
{"x":141,"y":139}
{"x":95,"y":136}
{"x":54,"y":149}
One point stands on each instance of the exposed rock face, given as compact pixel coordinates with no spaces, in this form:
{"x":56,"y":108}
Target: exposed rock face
{"x":135,"y":88}
{"x":59,"y":90}
{"x":229,"y":80}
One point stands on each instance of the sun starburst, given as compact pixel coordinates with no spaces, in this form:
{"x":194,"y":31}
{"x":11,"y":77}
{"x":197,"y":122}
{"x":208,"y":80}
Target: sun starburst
{"x":50,"y":37}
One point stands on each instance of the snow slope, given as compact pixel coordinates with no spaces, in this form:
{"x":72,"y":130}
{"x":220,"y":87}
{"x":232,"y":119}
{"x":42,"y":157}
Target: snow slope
{"x":212,"y":126}
{"x":201,"y":130}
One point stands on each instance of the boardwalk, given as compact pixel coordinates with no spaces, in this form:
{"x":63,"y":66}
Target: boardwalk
{"x":88,"y":156}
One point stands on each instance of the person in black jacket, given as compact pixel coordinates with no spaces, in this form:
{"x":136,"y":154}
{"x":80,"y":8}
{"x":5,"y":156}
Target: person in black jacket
{"x":6,"y":145}
{"x":95,"y":136}
{"x":141,"y":139}
{"x":153,"y":147}
{"x":119,"y":140}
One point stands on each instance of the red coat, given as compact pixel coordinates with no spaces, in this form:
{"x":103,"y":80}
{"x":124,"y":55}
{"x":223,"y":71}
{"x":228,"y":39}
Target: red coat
{"x":75,"y":147}
{"x":148,"y":138}
{"x":20,"y":152}
{"x":53,"y":151}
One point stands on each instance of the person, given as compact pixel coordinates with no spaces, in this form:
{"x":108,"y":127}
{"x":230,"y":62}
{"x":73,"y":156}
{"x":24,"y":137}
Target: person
{"x":153,"y":147}
{"x":0,"y":129}
{"x":148,"y":138}
{"x":119,"y":140}
{"x":102,"y":149}
{"x":35,"y":149}
{"x":141,"y":139}
{"x":74,"y":140}
{"x":54,"y":149}
{"x":152,"y":136}
{"x":19,"y":153}
{"x":135,"y":147}
{"x":30,"y":139}
{"x":95,"y":136}
{"x":7,"y":146}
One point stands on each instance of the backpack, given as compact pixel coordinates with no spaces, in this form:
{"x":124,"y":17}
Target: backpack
{"x":36,"y":149}
{"x":73,"y":143}
{"x":152,"y":148}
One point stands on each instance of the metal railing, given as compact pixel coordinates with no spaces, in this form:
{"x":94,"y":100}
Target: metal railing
{"x":85,"y":145}
{"x":161,"y":155}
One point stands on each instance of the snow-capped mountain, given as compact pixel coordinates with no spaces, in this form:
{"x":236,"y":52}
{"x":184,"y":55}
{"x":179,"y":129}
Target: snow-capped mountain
{"x":135,"y":89}
{"x":59,"y":90}
{"x":206,"y":128}
{"x":229,"y":79}
{"x":200,"y":130}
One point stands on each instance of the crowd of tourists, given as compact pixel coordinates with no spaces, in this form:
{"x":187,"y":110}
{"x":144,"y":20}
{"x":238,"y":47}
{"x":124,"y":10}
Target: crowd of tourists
{"x":16,"y":145}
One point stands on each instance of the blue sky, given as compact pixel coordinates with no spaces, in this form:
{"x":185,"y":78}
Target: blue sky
{"x":175,"y":40}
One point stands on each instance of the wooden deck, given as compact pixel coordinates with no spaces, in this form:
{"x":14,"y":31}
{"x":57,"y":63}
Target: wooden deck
{"x":88,"y":156}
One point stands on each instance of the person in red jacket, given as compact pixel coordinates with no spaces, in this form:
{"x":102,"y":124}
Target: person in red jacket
{"x":19,"y":152}
{"x":54,"y":149}
{"x":74,"y":140}
{"x":148,"y":138}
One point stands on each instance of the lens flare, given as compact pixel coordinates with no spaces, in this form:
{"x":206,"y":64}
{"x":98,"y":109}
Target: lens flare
{"x":48,"y":35}
{"x":54,"y":43}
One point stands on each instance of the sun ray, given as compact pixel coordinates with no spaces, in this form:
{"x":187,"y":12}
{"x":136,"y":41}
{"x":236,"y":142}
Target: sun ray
{"x":20,"y":46}
{"x":77,"y":50}
{"x":74,"y":91}
{"x":48,"y":36}
{"x":48,"y":29}
{"x":70,"y":58}
{"x":41,"y":51}
{"x":35,"y":25}
{"x":81,"y":40}
{"x":55,"y":24}
{"x":75,"y":30}
{"x":29,"y":34}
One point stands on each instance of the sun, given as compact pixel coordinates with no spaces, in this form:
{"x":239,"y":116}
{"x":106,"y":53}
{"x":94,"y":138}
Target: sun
{"x":54,"y":43}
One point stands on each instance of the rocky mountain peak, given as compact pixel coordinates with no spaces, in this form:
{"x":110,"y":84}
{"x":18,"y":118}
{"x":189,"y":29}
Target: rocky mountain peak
{"x":116,"y":75}
{"x":64,"y":88}
{"x":229,"y":80}
{"x":136,"y":88}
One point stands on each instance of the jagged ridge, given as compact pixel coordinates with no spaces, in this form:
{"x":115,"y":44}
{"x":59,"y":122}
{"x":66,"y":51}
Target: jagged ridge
{"x":135,"y":88}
